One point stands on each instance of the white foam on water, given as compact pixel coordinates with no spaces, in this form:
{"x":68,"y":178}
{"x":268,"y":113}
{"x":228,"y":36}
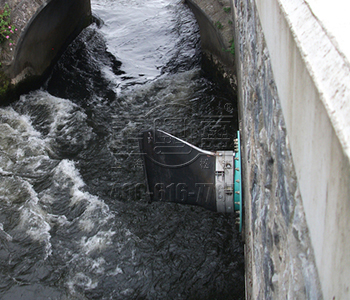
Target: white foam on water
{"x":96,"y":213}
{"x":33,"y":220}
{"x":64,"y":119}
{"x":24,"y":155}
{"x":95,"y":217}
{"x":65,"y":174}
{"x":97,"y":265}
{"x":18,"y":195}
{"x":18,"y":138}
{"x":57,"y":219}
{"x":67,"y":181}
{"x":86,"y":272}
{"x":117,"y":271}
{"x":127,"y":292}
{"x":4,"y":173}
{"x":4,"y":234}
{"x":81,"y":280}
{"x":98,"y":242}
{"x":67,"y":111}
{"x":18,"y":122}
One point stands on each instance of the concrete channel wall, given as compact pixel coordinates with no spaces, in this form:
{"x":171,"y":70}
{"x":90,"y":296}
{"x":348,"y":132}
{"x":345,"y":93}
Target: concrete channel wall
{"x":44,"y":29}
{"x":217,"y":34}
{"x":294,"y":105}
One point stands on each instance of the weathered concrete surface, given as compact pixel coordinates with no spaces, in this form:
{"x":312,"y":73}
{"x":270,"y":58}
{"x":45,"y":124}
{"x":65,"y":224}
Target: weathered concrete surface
{"x":44,"y":29}
{"x":334,"y":18}
{"x":215,"y":22}
{"x":21,"y":13}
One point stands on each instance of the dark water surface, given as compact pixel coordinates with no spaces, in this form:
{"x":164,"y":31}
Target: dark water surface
{"x":74,"y":221}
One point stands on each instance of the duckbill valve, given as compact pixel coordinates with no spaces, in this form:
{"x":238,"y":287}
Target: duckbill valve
{"x":177,"y":171}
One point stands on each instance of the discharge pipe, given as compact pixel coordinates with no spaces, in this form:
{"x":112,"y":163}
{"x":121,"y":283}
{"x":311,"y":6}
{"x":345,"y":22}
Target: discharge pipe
{"x":179,"y":172}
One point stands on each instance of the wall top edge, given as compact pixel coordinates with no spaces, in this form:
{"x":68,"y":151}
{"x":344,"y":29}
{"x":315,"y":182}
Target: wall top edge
{"x":327,"y":65}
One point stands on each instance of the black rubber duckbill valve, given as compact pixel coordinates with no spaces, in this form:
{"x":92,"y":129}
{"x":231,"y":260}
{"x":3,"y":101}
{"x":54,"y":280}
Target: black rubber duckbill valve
{"x":179,"y":172}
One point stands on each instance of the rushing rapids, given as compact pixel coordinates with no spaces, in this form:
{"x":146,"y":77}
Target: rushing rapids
{"x":74,"y":222}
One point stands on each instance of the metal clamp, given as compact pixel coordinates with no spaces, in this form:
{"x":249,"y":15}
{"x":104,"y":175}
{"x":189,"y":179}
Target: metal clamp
{"x":224,"y":181}
{"x":238,"y":182}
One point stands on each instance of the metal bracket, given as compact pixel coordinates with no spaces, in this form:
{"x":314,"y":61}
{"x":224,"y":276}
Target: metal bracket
{"x":238,"y":182}
{"x":224,"y":181}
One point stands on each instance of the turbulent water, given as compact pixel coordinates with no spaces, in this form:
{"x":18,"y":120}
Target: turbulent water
{"x":74,"y":221}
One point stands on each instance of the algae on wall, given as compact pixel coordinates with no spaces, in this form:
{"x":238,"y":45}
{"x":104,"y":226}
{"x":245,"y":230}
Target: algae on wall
{"x":8,"y":33}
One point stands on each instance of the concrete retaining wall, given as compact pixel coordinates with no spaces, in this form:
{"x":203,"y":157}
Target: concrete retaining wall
{"x":44,"y":29}
{"x":294,"y":104}
{"x":280,"y":260}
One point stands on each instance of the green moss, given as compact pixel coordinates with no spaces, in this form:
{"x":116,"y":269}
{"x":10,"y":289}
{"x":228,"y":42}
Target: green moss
{"x":227,"y":9}
{"x":231,"y":49}
{"x":218,"y":25}
{"x":4,"y":83}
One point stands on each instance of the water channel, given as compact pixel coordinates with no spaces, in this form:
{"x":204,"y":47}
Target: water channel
{"x":73,"y":225}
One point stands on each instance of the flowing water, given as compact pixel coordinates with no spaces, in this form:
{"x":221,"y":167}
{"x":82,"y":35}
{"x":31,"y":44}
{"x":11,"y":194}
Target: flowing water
{"x":74,"y":221}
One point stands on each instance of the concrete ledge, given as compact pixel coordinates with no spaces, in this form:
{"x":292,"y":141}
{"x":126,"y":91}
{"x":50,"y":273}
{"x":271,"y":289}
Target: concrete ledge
{"x":313,"y":84}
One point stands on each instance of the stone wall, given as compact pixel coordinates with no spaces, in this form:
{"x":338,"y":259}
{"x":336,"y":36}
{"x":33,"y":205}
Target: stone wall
{"x":280,"y":262}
